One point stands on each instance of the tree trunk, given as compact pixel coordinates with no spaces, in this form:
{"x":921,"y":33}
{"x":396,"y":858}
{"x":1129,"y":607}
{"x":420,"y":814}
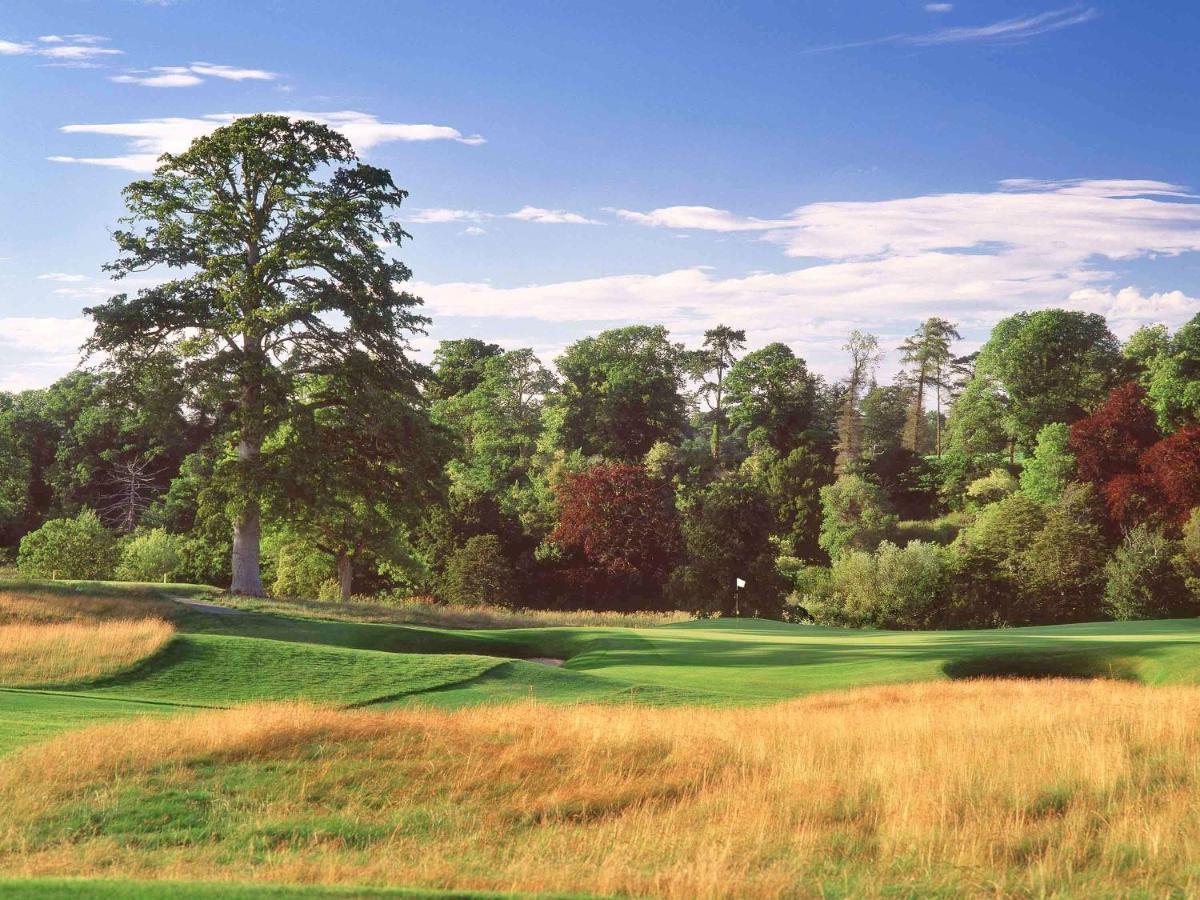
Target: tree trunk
{"x":345,"y":575}
{"x":247,"y":573}
{"x":247,"y":527}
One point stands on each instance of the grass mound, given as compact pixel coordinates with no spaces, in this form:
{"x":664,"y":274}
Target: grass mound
{"x":998,"y":787}
{"x":221,"y":670}
{"x":63,"y":653}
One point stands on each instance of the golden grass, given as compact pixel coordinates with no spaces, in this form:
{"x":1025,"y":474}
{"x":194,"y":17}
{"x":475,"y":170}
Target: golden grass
{"x":69,"y":652}
{"x":985,"y":788}
{"x":28,"y":607}
{"x":424,"y":611}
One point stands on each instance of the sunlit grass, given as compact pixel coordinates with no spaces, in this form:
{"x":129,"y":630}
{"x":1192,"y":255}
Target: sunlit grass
{"x":1055,"y":787}
{"x":69,"y":652}
{"x":426,"y":612}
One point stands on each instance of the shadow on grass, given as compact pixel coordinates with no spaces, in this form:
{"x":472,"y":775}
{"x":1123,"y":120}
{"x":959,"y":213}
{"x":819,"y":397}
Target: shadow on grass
{"x":1046,"y":665}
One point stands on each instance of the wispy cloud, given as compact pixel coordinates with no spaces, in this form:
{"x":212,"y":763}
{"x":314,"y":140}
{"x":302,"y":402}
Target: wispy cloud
{"x":549,"y":216}
{"x":535,"y":214}
{"x":148,"y":139}
{"x":1011,"y":30}
{"x":974,"y":257}
{"x":190,"y":75}
{"x":938,"y":7}
{"x":62,"y":49}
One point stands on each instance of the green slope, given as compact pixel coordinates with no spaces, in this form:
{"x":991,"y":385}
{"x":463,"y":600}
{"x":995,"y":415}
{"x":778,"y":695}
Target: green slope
{"x":222,"y":660}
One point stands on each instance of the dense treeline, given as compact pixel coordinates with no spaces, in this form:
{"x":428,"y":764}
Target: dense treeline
{"x":265,"y":397}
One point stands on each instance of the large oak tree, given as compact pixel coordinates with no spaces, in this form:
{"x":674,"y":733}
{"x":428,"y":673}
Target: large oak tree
{"x":272,"y":236}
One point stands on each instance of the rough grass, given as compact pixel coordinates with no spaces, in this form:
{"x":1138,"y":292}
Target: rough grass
{"x":63,"y":653}
{"x":419,"y":611}
{"x":37,"y":605}
{"x":1081,"y":788}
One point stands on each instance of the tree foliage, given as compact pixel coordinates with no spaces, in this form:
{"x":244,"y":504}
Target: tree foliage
{"x":279,"y":275}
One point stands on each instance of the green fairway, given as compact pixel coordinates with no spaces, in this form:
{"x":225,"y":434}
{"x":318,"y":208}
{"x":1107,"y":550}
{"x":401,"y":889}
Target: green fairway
{"x":221,"y":660}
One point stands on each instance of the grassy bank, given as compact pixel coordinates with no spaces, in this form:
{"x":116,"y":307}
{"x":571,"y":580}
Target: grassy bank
{"x":1055,"y":787}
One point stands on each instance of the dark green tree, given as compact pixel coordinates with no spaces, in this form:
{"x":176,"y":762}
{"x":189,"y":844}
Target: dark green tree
{"x":274,"y":231}
{"x":458,"y":366}
{"x":380,"y":466}
{"x":864,"y":357}
{"x":721,"y":346}
{"x":771,"y":394}
{"x":1052,"y":365}
{"x":928,"y":359}
{"x":621,"y":393}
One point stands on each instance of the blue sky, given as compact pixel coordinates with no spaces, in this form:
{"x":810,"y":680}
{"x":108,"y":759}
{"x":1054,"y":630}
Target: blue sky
{"x":797,"y":169}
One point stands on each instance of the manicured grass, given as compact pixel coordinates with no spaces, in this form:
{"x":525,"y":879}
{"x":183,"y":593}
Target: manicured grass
{"x":28,"y":716}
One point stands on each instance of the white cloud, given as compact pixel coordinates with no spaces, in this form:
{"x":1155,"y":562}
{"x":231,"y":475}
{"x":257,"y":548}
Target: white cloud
{"x":938,"y":7}
{"x":1128,"y":309}
{"x":701,"y":218}
{"x":149,"y":138}
{"x":190,"y":75}
{"x":884,"y":265}
{"x":1012,"y":30}
{"x":474,"y":230}
{"x":438,"y":216}
{"x":62,"y":276}
{"x":68,"y":49}
{"x":550,"y":216}
{"x":161,"y":77}
{"x":231,"y":73}
{"x":45,"y":334}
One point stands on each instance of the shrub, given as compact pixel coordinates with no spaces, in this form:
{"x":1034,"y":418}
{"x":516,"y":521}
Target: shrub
{"x":150,"y":555}
{"x":988,"y":554}
{"x":1143,"y":578}
{"x":727,"y":531}
{"x":893,"y":587}
{"x":478,"y":573}
{"x":1063,"y":565}
{"x":994,"y":486}
{"x":79,"y":549}
{"x":855,"y":515}
{"x":1188,"y":560}
{"x":301,"y":570}
{"x":1052,"y":465}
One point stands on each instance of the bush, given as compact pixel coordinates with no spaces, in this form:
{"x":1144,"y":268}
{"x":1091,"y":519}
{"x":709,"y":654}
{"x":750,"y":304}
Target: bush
{"x":893,"y":587}
{"x":994,"y":486}
{"x":150,"y":555}
{"x":1143,"y":579}
{"x":1188,"y":560}
{"x":1063,"y":566}
{"x":1052,"y":465}
{"x":727,"y":530}
{"x":855,"y":515}
{"x":77,"y":549}
{"x":988,"y":561}
{"x":301,"y":570}
{"x":478,"y":573}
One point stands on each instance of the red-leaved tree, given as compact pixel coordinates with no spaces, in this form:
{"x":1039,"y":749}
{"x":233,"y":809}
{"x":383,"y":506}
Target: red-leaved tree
{"x":620,"y":526}
{"x":1110,"y":441}
{"x":1171,"y":469}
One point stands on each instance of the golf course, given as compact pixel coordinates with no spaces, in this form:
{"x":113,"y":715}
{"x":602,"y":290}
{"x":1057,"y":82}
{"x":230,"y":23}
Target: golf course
{"x":234,"y":752}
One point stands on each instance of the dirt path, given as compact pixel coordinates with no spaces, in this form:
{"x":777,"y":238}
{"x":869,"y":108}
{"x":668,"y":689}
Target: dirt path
{"x":212,"y":608}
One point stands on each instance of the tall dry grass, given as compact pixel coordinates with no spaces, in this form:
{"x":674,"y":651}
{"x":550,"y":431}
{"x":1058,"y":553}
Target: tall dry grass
{"x":1052,"y":788}
{"x":27,"y":607}
{"x":70,"y":652}
{"x":424,"y":611}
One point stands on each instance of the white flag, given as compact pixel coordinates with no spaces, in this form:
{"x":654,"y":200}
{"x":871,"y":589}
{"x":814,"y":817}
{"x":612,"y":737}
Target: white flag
{"x":740,"y":582}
